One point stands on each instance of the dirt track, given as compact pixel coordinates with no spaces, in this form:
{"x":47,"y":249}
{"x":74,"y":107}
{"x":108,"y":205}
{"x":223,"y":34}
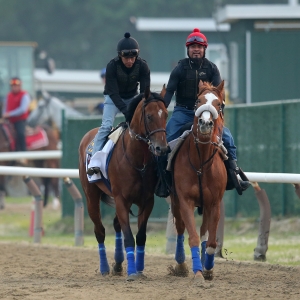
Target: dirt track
{"x":45,"y":272}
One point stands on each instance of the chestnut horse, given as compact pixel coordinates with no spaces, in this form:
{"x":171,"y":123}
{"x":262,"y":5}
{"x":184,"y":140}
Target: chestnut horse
{"x":53,"y":138}
{"x":132,"y":175}
{"x":200,"y":181}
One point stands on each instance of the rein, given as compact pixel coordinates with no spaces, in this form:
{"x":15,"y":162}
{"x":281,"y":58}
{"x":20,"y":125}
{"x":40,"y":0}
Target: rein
{"x":199,"y":172}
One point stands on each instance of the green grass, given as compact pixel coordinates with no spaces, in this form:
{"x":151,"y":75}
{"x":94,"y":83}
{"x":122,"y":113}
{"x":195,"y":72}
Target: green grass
{"x":239,"y":241}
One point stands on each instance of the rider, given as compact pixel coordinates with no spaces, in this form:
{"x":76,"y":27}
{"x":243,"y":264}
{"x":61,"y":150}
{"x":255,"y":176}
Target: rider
{"x":16,"y":110}
{"x":184,"y":79}
{"x":123,"y":75}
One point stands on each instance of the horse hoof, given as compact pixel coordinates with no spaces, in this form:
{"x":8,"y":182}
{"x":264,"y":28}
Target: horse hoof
{"x":104,"y":274}
{"x":199,"y":279}
{"x":180,"y":270}
{"x":141,"y":275}
{"x":132,"y":277}
{"x":208,"y":274}
{"x":117,"y":269}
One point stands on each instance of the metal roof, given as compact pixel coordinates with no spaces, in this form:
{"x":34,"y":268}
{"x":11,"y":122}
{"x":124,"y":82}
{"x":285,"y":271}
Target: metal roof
{"x":179,"y":24}
{"x":84,"y":81}
{"x":232,"y":13}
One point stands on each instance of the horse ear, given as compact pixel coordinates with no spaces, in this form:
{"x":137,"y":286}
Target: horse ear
{"x":147,"y":92}
{"x":200,"y":85}
{"x":163,"y":91}
{"x":220,"y":87}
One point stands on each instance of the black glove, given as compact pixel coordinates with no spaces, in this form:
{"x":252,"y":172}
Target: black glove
{"x":127,"y":115}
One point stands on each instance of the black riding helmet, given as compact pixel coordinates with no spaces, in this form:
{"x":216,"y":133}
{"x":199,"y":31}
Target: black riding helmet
{"x":128,"y":46}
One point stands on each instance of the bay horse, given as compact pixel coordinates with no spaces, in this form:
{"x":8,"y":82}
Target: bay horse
{"x":200,"y":181}
{"x":53,"y":139}
{"x":132,"y":174}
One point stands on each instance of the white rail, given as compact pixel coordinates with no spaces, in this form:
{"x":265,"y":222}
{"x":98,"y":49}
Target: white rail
{"x":39,"y":172}
{"x":31,"y":155}
{"x":74,"y":173}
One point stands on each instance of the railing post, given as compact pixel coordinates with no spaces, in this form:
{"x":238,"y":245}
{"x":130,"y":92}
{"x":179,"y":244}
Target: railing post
{"x":78,"y":211}
{"x":171,"y":232}
{"x":297,"y":189}
{"x":220,"y":231}
{"x":38,"y":208}
{"x":264,"y":223}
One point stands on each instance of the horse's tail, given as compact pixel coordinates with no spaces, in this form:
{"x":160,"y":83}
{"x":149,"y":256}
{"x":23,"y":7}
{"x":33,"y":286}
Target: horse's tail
{"x":110,"y":201}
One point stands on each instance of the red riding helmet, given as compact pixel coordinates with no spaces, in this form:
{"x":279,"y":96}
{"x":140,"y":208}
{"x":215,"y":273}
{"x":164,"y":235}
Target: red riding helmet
{"x":196,"y":37}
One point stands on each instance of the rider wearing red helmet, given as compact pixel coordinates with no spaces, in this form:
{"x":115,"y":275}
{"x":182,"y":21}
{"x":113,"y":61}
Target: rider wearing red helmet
{"x":184,"y":80}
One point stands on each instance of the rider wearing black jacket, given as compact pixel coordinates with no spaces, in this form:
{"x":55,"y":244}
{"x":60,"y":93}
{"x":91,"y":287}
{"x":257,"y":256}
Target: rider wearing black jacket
{"x":184,"y":80}
{"x":124,"y":73}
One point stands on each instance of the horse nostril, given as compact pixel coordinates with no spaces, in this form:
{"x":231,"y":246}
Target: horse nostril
{"x":157,"y":149}
{"x":211,"y":123}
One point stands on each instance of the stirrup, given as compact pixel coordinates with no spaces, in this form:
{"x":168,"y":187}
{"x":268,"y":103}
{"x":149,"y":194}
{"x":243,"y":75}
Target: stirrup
{"x":244,"y":184}
{"x":93,"y":170}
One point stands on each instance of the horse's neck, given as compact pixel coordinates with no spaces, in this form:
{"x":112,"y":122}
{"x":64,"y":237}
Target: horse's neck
{"x":203,"y":149}
{"x":136,"y":150}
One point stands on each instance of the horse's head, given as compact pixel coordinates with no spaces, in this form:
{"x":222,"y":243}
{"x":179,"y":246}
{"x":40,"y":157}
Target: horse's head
{"x":208,"y":107}
{"x":149,"y":122}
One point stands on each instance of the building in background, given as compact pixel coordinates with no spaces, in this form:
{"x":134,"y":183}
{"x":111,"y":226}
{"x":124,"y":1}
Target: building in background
{"x":256,"y":48}
{"x":17,"y":60}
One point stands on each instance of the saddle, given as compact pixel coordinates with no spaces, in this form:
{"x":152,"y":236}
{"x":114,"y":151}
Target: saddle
{"x":101,"y":159}
{"x":35,"y":137}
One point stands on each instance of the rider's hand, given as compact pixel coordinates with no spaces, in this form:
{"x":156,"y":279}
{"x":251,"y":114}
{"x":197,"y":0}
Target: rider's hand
{"x":5,"y":115}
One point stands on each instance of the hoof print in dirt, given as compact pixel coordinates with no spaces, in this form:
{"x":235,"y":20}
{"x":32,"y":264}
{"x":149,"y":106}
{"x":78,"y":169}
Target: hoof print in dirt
{"x":180,"y":270}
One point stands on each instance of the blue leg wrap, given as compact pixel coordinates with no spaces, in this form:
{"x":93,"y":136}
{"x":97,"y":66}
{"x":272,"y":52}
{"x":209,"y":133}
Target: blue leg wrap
{"x":131,"y":269}
{"x":209,"y":261}
{"x":104,"y":267}
{"x":197,"y":266}
{"x":203,"y":249}
{"x":140,"y":258}
{"x":119,"y":254}
{"x":180,"y":255}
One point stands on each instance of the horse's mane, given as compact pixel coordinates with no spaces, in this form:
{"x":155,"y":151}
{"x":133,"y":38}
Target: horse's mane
{"x":135,"y":102}
{"x":209,"y":87}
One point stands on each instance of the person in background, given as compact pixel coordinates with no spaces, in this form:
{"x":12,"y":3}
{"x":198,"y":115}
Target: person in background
{"x":99,"y":107}
{"x":16,"y":110}
{"x":123,"y":75}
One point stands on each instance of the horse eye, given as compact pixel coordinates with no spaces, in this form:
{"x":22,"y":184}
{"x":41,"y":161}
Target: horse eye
{"x":149,"y":117}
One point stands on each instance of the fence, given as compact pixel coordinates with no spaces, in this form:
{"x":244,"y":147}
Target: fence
{"x":267,"y":140}
{"x":46,"y":172}
{"x":262,"y":198}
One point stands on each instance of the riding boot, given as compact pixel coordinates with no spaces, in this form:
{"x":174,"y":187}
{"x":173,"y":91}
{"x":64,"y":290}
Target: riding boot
{"x":164,"y":182}
{"x":232,"y":179}
{"x":93,"y":170}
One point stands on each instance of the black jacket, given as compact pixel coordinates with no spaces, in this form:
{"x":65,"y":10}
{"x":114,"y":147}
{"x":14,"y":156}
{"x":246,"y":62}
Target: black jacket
{"x":122,"y":82}
{"x":185,"y":77}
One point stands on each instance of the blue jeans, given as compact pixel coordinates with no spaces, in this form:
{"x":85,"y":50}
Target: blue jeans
{"x":181,"y":116}
{"x":20,"y":135}
{"x":109,"y":113}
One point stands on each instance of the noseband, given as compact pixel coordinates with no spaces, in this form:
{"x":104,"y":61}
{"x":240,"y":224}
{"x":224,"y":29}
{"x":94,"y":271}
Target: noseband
{"x":198,"y":111}
{"x":146,"y":139}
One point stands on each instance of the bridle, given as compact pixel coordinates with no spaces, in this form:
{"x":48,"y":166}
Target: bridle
{"x":215,"y":113}
{"x":198,"y":111}
{"x":146,"y":139}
